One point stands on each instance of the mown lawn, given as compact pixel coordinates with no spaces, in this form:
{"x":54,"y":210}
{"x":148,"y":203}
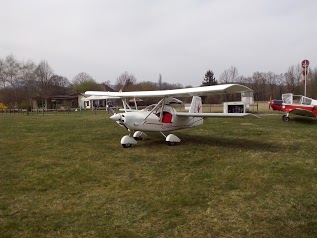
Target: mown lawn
{"x":68,"y":176}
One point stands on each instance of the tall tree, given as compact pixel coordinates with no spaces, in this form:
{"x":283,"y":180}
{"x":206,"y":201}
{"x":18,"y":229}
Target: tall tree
{"x":82,"y":77}
{"x":28,"y":84}
{"x":12,"y":77}
{"x":293,"y":78}
{"x":83,"y":82}
{"x":60,"y":85}
{"x":209,"y":79}
{"x":125,"y":82}
{"x":2,"y":74}
{"x":44,"y":73}
{"x":274,"y":82}
{"x":229,"y":75}
{"x":312,"y":83}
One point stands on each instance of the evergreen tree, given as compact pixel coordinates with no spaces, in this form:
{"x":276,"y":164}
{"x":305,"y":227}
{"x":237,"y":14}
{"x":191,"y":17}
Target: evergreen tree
{"x":209,"y":79}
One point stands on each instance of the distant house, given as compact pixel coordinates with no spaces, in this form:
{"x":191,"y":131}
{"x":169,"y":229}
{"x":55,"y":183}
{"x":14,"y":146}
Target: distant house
{"x":62,"y":102}
{"x":65,"y":102}
{"x":96,"y":102}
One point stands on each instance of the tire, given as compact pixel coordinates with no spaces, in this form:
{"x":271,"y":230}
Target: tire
{"x":126,"y":145}
{"x":285,"y":118}
{"x":171,"y":143}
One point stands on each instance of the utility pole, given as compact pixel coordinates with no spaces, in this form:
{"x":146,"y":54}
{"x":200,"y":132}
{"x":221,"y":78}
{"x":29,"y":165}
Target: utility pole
{"x":305,"y":64}
{"x":160,"y":81}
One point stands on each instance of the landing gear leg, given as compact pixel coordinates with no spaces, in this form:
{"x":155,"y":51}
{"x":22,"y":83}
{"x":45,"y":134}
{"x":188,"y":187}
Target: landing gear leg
{"x":171,"y":139}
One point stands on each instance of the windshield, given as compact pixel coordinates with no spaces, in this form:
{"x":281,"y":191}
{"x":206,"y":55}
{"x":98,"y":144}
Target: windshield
{"x":149,"y":108}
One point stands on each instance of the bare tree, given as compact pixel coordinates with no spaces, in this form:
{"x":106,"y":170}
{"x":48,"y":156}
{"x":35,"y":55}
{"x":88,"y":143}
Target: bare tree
{"x":2,"y":74}
{"x":44,"y":73}
{"x":292,"y":78}
{"x":12,"y":69}
{"x":28,"y":82}
{"x":82,"y":77}
{"x":60,"y":85}
{"x":258,"y":82}
{"x":230,"y":75}
{"x":20,"y":81}
{"x":84,"y":82}
{"x":12,"y":76}
{"x":312,"y":83}
{"x":125,"y":82}
{"x":274,"y":83}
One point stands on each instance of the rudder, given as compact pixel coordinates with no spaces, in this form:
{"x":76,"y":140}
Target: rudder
{"x":196,"y":105}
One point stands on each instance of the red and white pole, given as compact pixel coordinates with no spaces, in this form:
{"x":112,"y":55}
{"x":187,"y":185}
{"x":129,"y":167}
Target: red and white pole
{"x":305,"y":64}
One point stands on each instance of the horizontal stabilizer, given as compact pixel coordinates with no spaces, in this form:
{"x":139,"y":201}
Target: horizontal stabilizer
{"x":186,"y":114}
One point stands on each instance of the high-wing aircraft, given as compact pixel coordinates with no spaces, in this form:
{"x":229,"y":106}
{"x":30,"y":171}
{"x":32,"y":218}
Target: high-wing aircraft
{"x":295,"y":104}
{"x":162,"y":117}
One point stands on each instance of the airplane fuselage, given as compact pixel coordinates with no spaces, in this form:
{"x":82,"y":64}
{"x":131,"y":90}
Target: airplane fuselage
{"x":143,"y":121}
{"x":295,"y":104}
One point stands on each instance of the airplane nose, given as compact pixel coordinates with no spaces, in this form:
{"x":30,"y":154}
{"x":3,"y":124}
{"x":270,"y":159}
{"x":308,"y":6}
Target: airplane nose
{"x":116,"y":117}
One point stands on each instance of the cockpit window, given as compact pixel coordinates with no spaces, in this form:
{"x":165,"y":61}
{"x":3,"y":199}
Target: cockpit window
{"x":306,"y":101}
{"x":287,"y":98}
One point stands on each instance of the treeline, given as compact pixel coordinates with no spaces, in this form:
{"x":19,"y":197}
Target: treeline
{"x":269,"y":84}
{"x":20,"y":81}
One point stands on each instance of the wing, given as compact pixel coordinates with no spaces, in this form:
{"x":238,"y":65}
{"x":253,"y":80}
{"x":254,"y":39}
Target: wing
{"x":186,"y":114}
{"x":185,"y":92}
{"x":95,"y":97}
{"x":302,"y":112}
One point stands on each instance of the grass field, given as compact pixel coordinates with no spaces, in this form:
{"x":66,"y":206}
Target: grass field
{"x":68,"y":176}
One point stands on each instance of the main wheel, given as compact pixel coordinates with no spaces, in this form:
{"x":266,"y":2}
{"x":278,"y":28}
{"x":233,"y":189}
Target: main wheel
{"x":126,"y":145}
{"x":171,"y":143}
{"x":285,"y":118}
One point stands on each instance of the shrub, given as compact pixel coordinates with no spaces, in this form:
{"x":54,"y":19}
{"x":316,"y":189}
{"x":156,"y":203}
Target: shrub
{"x":2,"y":106}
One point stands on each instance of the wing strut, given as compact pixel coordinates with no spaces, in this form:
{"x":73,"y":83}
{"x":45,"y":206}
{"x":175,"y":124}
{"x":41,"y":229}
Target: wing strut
{"x":125,"y":105}
{"x":154,"y":108}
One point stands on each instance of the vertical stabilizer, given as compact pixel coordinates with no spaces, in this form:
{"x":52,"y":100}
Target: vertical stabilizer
{"x":196,"y":105}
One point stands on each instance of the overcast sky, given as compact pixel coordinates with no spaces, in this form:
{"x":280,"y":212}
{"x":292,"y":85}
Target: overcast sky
{"x":180,"y":39}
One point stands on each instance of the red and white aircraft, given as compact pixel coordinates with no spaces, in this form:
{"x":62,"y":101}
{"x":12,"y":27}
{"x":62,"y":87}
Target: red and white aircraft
{"x":162,"y":117}
{"x":295,"y":104}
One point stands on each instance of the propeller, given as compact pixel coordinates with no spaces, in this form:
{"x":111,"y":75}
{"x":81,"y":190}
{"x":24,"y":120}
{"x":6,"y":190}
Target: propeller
{"x":118,"y":118}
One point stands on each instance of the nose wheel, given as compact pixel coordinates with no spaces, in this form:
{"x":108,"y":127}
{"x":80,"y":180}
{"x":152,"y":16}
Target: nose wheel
{"x":126,"y":145}
{"x":128,"y":141}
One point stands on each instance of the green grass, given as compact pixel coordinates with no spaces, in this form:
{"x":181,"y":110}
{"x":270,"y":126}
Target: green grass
{"x":68,"y":176}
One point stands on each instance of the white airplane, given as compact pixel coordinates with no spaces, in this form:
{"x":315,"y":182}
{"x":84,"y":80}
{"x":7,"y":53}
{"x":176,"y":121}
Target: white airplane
{"x":162,"y":117}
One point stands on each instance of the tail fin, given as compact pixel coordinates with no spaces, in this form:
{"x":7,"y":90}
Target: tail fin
{"x":196,"y":105}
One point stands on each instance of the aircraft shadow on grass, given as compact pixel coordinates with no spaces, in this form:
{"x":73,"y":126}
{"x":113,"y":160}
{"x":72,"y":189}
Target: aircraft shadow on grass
{"x":215,"y":141}
{"x":304,"y":120}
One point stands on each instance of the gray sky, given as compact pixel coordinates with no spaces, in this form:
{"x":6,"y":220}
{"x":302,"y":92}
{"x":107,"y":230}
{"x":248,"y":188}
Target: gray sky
{"x":181,"y":39}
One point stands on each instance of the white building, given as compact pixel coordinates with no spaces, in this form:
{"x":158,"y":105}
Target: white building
{"x":93,"y":102}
